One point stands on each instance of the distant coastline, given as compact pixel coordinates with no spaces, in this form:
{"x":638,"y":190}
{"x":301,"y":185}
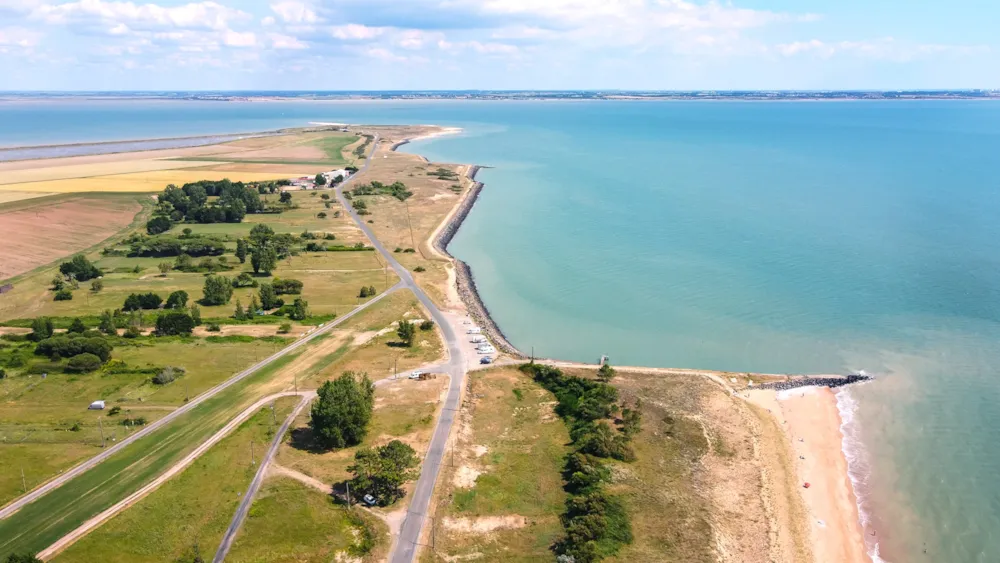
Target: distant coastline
{"x":517,"y":95}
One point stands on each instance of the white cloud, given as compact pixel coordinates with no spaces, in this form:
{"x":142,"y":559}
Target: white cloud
{"x":18,"y":37}
{"x":886,"y":48}
{"x":237,"y":39}
{"x":200,"y":15}
{"x":291,"y":11}
{"x":355,"y":32}
{"x":279,"y":41}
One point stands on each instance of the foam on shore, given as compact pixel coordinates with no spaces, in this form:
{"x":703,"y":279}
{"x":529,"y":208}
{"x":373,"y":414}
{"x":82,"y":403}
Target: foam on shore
{"x":858,"y":466}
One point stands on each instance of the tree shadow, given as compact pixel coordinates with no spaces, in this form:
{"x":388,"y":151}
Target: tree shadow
{"x":396,"y":344}
{"x":304,"y":440}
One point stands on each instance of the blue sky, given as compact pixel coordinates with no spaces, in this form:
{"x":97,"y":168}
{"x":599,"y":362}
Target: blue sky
{"x":498,"y":44}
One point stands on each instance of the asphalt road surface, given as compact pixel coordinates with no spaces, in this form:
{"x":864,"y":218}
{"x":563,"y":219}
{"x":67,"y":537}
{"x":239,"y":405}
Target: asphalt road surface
{"x":409,"y":535}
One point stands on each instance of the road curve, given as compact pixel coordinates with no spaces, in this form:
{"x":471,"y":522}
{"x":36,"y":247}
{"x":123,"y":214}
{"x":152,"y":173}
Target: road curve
{"x":409,"y":535}
{"x":88,"y":464}
{"x":107,"y":514}
{"x":258,"y":479}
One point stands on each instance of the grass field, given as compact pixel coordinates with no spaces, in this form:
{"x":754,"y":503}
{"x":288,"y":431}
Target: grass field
{"x":193,"y":509}
{"x":39,"y":524}
{"x":500,"y":499}
{"x":292,"y":522}
{"x":404,"y":410}
{"x":151,"y":181}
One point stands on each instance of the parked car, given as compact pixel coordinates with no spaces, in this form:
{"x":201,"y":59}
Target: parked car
{"x":486,"y":360}
{"x":416,"y":375}
{"x":369,"y":500}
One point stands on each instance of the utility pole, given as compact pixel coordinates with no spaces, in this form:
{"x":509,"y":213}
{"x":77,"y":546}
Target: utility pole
{"x":24,"y":484}
{"x":101,"y":426}
{"x":252,"y":459}
{"x":295,"y":376}
{"x":273,"y":420}
{"x":348,"y":495}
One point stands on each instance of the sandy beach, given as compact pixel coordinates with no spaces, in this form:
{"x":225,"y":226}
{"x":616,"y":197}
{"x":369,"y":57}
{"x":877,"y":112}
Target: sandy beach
{"x":811,"y":424}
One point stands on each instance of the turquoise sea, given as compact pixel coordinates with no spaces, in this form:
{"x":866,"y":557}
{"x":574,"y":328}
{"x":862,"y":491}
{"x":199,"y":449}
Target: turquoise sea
{"x":775,"y":237}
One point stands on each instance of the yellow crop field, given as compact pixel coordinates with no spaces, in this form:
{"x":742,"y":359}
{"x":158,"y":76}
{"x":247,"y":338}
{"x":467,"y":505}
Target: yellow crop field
{"x":94,"y":169}
{"x":152,"y":181}
{"x":8,"y":197}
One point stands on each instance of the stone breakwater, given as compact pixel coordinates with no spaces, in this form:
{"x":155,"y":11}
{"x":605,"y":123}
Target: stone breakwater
{"x":465,"y":282}
{"x":831,"y":382}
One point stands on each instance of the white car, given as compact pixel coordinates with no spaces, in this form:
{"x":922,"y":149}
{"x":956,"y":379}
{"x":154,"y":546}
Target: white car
{"x":416,"y":375}
{"x":478,"y":339}
{"x":486,"y":350}
{"x":369,"y":500}
{"x":474,"y":330}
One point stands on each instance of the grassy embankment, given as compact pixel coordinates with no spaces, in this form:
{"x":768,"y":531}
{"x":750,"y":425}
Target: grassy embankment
{"x":500,"y":492}
{"x":193,"y":509}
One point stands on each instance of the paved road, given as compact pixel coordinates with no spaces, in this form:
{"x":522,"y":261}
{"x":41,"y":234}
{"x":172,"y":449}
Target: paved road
{"x":406,"y":546}
{"x":258,"y":479}
{"x":149,"y":429}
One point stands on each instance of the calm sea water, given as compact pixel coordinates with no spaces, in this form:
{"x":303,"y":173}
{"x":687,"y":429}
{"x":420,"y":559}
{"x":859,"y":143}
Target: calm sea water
{"x":776,"y":237}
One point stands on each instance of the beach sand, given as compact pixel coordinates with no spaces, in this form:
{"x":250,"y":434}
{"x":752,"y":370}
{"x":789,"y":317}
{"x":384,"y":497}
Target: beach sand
{"x":811,"y":422}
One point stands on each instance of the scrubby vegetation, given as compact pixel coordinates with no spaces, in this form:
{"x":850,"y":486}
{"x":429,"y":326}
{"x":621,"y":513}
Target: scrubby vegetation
{"x":595,"y":522}
{"x":397,"y":190}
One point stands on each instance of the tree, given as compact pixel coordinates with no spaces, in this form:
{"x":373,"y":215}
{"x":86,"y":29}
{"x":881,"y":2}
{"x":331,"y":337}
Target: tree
{"x":253,"y":307}
{"x":184,"y":262}
{"x":320,"y":180}
{"x":164,"y":268}
{"x":631,"y":421}
{"x":263,"y":259}
{"x":427,"y":325}
{"x":381,"y":472}
{"x":96,"y":285}
{"x":177,"y":300}
{"x":241,"y":250}
{"x":325,"y":196}
{"x":159,"y":224}
{"x":77,"y":327}
{"x":64,"y":295}
{"x":606,"y":373}
{"x":196,"y":315}
{"x":22,"y":558}
{"x":41,"y":328}
{"x":80,"y":268}
{"x":299,"y":310}
{"x":342,"y":410}
{"x":260,"y":234}
{"x":174,"y":323}
{"x":187,"y":232}
{"x":218,"y":291}
{"x":406,"y":331}
{"x":107,"y":324}
{"x":286,"y":198}
{"x":58,"y":283}
{"x":83,"y":363}
{"x":269,"y":298}
{"x":287,"y":287}
{"x":239,"y":314}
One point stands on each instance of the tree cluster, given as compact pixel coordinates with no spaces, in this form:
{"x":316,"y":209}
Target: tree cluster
{"x":79,"y":268}
{"x":595,"y":522}
{"x":342,"y":410}
{"x":137,"y":301}
{"x":287,"y":287}
{"x":381,"y":472}
{"x":163,"y":246}
{"x":174,"y":323}
{"x":69,"y":345}
{"x":367,"y":292}
{"x":397,"y":190}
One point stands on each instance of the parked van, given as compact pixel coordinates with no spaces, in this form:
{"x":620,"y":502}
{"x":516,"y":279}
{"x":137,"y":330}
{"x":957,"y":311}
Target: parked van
{"x":474,"y":330}
{"x":478,"y":339}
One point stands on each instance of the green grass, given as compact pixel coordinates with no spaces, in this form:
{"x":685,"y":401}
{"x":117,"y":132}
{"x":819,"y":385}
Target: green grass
{"x":292,"y":522}
{"x":39,"y":524}
{"x":193,"y":508}
{"x":38,"y":413}
{"x":521,"y":472}
{"x":333,"y":146}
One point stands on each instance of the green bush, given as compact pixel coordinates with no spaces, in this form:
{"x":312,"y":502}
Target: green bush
{"x":213,"y":327}
{"x":64,"y":295}
{"x":174,"y":323}
{"x":285,"y":328}
{"x":67,"y":346}
{"x":83,"y":363}
{"x":80,"y":268}
{"x":427,"y":325}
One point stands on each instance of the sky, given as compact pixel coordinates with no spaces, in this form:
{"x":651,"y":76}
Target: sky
{"x":498,"y":44}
